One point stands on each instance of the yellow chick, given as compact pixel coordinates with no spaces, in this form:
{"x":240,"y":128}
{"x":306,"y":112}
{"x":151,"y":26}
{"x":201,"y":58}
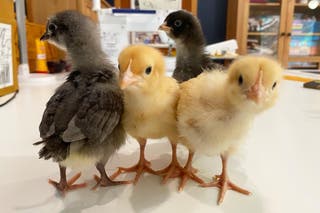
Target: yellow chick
{"x":150,"y":102}
{"x":216,"y":109}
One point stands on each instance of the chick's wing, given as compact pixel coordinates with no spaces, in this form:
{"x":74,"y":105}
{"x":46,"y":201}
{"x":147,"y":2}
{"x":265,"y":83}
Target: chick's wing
{"x":92,"y":115}
{"x":99,"y":114}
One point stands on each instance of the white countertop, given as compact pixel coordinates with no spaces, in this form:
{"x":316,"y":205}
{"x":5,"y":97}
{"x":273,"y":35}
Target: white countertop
{"x":279,"y":164}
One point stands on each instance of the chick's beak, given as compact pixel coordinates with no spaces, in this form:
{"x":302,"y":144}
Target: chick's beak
{"x":128,"y":78}
{"x":256,"y":91}
{"x":164,"y":27}
{"x":45,"y":36}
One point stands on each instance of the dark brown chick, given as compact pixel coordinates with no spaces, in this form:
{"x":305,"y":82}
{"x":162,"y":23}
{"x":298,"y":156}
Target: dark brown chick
{"x":186,"y":31}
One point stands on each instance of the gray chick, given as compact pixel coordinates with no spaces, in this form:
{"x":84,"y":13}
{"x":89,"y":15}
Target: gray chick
{"x":186,"y":31}
{"x":81,"y":122}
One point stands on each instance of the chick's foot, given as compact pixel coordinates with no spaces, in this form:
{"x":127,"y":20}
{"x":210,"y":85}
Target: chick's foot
{"x":223,"y":182}
{"x":175,"y":170}
{"x":104,"y":180}
{"x":63,"y":186}
{"x":185,"y":173}
{"x":142,"y":166}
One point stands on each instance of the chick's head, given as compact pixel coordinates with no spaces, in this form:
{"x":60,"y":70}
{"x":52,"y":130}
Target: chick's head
{"x":70,"y":29}
{"x":181,"y":25}
{"x":140,"y":66}
{"x":254,"y":81}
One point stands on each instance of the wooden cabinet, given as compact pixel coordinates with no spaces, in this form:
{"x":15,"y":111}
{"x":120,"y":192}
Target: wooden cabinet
{"x":190,"y":5}
{"x":286,"y":29}
{"x":38,"y":10}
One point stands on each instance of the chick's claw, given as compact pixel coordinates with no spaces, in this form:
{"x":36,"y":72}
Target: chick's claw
{"x":104,"y":182}
{"x":189,"y":173}
{"x":224,"y":184}
{"x":142,"y":166}
{"x":64,"y":186}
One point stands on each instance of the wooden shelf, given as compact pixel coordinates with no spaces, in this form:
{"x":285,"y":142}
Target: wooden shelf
{"x":300,"y":5}
{"x":305,"y":34}
{"x":304,"y":59}
{"x":279,"y":38}
{"x":263,"y":33}
{"x":265,"y":4}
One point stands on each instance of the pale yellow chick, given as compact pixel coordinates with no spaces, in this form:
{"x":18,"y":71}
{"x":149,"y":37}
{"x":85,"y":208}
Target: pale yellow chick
{"x":150,"y":101}
{"x":216,"y":109}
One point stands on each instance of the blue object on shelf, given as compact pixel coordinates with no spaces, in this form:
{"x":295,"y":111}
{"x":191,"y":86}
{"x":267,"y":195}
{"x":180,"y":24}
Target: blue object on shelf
{"x":133,"y":11}
{"x":316,"y":27}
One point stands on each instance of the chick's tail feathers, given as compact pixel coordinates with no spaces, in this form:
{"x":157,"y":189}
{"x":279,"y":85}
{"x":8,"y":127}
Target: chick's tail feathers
{"x":54,"y":147}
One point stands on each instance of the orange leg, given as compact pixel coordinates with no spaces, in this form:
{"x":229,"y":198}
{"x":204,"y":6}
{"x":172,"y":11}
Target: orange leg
{"x":223,"y":182}
{"x":142,"y":166}
{"x":175,"y":170}
{"x":188,"y":172}
{"x":63,"y":186}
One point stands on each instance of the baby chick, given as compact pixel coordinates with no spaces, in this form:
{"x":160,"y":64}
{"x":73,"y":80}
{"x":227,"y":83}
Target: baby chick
{"x":150,"y":102}
{"x":81,"y":122}
{"x":191,"y":60}
{"x":216,"y":109}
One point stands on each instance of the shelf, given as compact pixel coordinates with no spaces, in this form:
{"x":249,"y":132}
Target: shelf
{"x":305,"y":34}
{"x":262,"y":33}
{"x":265,"y":4}
{"x":304,"y":59}
{"x":301,"y":5}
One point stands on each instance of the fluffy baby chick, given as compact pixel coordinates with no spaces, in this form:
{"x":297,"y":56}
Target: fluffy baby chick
{"x":185,"y":30}
{"x":81,"y":122}
{"x":216,"y":109}
{"x":150,"y":102}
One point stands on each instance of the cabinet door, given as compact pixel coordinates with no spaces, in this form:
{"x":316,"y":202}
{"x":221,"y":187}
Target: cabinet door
{"x":266,"y":27}
{"x":304,"y":40}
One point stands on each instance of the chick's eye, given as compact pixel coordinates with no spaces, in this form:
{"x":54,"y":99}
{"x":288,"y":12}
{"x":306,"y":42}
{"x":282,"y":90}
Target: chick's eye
{"x":177,"y":23}
{"x":274,"y":85}
{"x":240,"y":80}
{"x":52,"y":27}
{"x":118,"y":66}
{"x":148,"y":70}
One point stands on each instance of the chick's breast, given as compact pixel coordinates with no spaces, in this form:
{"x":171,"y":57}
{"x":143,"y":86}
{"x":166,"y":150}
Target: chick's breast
{"x":206,"y":122}
{"x":151,"y":113}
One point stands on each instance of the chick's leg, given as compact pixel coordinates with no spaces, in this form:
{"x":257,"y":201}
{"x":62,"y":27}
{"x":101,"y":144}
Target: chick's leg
{"x":174,"y":169}
{"x":142,"y":166}
{"x":63,"y":186}
{"x":188,"y":172}
{"x":223,"y":182}
{"x":104,"y":180}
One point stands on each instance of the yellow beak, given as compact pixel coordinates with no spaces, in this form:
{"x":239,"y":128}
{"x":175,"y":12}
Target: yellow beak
{"x":256,"y":90}
{"x":128,"y":78}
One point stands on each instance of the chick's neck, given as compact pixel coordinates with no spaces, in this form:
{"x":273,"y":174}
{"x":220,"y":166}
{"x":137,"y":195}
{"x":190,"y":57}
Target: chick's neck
{"x":187,"y":51}
{"x":86,"y":54}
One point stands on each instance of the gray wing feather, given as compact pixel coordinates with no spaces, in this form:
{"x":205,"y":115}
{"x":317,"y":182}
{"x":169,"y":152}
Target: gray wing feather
{"x":57,"y":109}
{"x":99,"y":114}
{"x":92,"y":117}
{"x":73,"y":133}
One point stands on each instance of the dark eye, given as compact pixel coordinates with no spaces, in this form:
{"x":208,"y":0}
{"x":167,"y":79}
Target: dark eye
{"x":240,"y":80}
{"x":119,"y":66}
{"x":177,"y":23}
{"x":148,"y":70}
{"x":274,"y":85}
{"x":52,"y":27}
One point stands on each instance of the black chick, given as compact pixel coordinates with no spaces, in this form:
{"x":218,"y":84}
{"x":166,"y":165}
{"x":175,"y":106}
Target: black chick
{"x":186,"y":31}
{"x":81,"y":122}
